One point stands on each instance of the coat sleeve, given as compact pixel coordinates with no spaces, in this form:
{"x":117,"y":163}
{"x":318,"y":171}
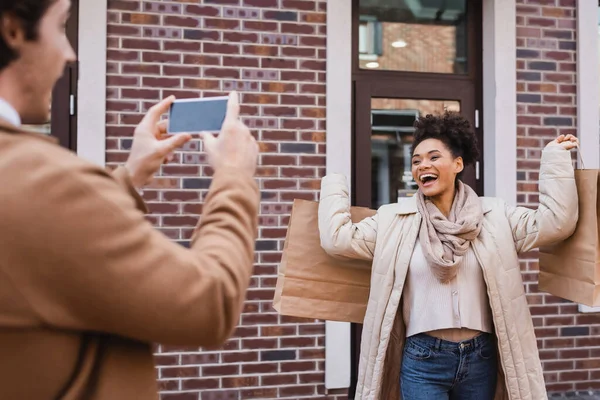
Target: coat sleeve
{"x":122,"y":177}
{"x":90,"y":261}
{"x":556,"y":216}
{"x":339,"y":236}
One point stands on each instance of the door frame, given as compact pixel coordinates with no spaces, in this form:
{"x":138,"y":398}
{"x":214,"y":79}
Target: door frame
{"x":63,"y":123}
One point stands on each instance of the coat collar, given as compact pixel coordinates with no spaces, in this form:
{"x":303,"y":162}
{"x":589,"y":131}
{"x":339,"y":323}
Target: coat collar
{"x":408,"y":206}
{"x":7,"y":127}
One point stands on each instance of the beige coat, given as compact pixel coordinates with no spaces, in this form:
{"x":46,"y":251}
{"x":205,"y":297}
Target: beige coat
{"x":388,"y":239}
{"x":87,"y":284}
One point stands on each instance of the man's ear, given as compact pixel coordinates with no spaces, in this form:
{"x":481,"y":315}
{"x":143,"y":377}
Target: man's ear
{"x":11,"y":29}
{"x":459,"y":165}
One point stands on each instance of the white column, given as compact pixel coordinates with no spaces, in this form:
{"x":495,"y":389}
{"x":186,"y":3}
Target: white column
{"x":588,"y":87}
{"x":588,"y":83}
{"x":500,"y":99}
{"x":339,"y":160}
{"x":91,"y":87}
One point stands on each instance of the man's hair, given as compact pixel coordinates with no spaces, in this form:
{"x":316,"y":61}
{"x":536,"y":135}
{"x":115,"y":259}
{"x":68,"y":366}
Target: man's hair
{"x":30,"y":13}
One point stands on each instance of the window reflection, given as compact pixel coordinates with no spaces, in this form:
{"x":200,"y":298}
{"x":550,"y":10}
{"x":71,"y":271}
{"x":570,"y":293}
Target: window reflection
{"x":391,"y":141}
{"x":413,"y":35}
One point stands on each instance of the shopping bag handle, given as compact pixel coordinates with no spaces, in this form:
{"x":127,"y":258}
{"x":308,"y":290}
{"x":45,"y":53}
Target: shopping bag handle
{"x":580,"y":157}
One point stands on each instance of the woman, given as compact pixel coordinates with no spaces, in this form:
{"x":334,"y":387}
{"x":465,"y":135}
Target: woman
{"x":447,"y":316}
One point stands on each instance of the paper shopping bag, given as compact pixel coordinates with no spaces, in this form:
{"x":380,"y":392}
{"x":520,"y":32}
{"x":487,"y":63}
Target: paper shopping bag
{"x":571,"y":269}
{"x":312,"y":284}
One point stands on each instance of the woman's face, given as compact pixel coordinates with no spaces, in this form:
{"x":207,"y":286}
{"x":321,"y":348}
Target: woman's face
{"x":434,"y":168}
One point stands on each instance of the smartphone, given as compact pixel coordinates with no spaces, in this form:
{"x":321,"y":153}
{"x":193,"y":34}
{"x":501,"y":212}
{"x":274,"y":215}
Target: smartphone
{"x":197,"y":115}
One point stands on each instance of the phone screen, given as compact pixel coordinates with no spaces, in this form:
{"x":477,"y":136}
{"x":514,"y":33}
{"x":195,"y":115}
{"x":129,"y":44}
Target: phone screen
{"x":197,"y":115}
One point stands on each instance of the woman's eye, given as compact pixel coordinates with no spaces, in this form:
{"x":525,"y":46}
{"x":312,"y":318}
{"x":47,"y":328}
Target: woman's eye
{"x":416,"y":162}
{"x":434,"y":158}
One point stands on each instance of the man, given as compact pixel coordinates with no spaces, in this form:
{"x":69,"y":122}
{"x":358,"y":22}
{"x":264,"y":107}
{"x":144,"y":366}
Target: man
{"x":86,"y":283}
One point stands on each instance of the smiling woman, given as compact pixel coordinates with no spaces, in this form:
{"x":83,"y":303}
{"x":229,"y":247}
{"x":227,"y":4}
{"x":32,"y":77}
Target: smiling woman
{"x":442,"y":147}
{"x":439,"y":272}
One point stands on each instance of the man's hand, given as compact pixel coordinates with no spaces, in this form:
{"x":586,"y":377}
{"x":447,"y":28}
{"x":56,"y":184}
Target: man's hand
{"x":567,"y":142}
{"x":151,"y":147}
{"x":234,"y":147}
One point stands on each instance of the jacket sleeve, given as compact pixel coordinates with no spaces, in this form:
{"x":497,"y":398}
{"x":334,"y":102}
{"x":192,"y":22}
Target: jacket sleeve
{"x":123,"y":178}
{"x":91,"y":261}
{"x":556,"y":216}
{"x":339,"y":236}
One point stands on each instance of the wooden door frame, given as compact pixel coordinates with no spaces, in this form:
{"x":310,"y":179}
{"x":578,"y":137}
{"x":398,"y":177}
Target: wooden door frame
{"x":366,"y":84}
{"x":63,"y":123}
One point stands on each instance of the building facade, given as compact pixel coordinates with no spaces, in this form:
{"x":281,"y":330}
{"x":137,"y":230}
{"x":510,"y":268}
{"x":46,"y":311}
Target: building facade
{"x":334,"y":86}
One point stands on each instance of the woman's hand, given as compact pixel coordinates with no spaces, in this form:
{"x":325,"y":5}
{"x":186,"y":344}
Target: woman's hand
{"x":567,"y":142}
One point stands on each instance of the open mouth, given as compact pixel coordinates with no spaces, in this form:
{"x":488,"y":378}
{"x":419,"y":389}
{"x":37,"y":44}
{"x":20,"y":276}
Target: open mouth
{"x":428,"y":179}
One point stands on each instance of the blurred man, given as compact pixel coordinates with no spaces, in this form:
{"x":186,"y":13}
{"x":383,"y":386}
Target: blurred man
{"x":86,"y":283}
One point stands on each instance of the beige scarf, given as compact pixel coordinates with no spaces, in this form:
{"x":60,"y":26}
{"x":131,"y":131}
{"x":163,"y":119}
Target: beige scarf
{"x":446,"y":240}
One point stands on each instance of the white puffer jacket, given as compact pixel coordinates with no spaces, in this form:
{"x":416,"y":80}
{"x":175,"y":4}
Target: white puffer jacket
{"x":388,"y":239}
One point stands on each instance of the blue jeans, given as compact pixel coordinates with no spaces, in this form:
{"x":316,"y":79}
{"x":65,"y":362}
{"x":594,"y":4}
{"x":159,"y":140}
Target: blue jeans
{"x":435,"y":369}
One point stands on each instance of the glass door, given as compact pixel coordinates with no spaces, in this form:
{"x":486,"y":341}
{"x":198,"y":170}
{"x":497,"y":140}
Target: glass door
{"x":384,"y":119}
{"x":391,"y":140}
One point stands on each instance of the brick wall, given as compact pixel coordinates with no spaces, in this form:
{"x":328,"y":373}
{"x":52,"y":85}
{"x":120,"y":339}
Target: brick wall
{"x":273,"y":52}
{"x":546,"y":92}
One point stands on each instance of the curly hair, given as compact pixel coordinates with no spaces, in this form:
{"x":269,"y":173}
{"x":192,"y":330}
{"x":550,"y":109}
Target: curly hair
{"x":30,"y":12}
{"x":453,"y":130}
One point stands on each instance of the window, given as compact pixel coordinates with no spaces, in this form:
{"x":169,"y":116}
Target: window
{"x":413,"y":35}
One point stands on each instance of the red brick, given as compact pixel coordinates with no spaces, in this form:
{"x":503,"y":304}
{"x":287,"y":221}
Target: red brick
{"x":296,"y":391}
{"x":260,"y":3}
{"x":201,"y":10}
{"x":199,"y":384}
{"x":300,"y":29}
{"x":303,"y":5}
{"x":262,"y":368}
{"x":240,"y":37}
{"x":259,"y":343}
{"x":178,"y":372}
{"x":221,"y":48}
{"x":298,"y":366}
{"x":260,"y":26}
{"x":200,"y":59}
{"x":278,"y":380}
{"x":240,"y":62}
{"x":141,"y":18}
{"x":260,"y":50}
{"x":124,"y":30}
{"x":241,"y":381}
{"x":161,"y":57}
{"x":161,"y":82}
{"x":179,"y":396}
{"x":219,"y":395}
{"x":220,"y":370}
{"x":216,"y":23}
{"x":298,"y":342}
{"x":187,"y":22}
